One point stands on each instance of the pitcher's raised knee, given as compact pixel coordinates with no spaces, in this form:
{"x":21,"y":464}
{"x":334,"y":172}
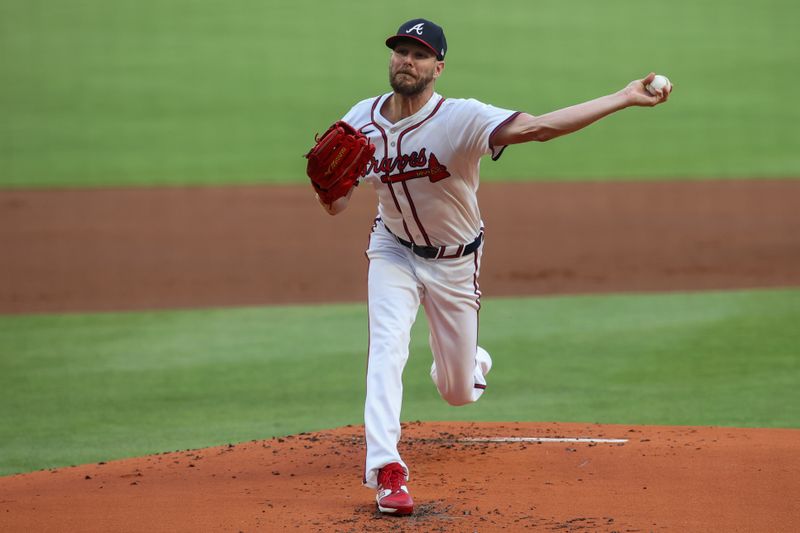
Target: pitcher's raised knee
{"x":456,"y":396}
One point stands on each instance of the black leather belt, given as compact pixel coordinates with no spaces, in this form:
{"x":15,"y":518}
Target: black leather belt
{"x":440,"y":252}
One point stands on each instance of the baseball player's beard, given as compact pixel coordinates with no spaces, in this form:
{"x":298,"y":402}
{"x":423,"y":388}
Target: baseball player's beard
{"x":409,"y":88}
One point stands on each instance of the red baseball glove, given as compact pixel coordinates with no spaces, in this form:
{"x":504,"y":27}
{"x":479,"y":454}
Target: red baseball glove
{"x":339,"y":157}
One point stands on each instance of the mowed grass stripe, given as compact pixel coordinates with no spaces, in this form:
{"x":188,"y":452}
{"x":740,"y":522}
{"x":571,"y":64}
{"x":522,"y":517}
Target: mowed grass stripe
{"x":83,"y":388}
{"x":146,"y":92}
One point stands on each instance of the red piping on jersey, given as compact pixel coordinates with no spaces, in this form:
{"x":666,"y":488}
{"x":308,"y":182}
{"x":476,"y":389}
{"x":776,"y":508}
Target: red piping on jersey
{"x":456,"y":254}
{"x":495,"y":130}
{"x":415,"y":215}
{"x":475,"y":279}
{"x":418,"y":124}
{"x":405,"y":187}
{"x":386,"y":156}
{"x":477,"y":311}
{"x":369,"y":327}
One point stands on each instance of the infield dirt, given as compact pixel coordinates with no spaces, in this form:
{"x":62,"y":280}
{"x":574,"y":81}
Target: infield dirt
{"x":102,"y":250}
{"x":661,"y":479}
{"x":121,"y":249}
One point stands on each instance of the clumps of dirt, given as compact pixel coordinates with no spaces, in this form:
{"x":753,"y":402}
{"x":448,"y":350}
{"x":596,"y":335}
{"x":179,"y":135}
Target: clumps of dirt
{"x":433,"y":515}
{"x":312,"y":482}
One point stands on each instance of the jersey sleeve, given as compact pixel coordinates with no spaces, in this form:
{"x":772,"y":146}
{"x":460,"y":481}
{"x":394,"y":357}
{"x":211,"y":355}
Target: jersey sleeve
{"x":359,"y":116}
{"x":476,"y":123}
{"x":351,"y":115}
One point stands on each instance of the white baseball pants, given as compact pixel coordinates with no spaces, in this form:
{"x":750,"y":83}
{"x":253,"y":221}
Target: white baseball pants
{"x":399,"y":281}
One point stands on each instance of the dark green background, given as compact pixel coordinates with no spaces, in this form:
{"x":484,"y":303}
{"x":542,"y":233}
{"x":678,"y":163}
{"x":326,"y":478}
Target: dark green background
{"x":203,"y":91}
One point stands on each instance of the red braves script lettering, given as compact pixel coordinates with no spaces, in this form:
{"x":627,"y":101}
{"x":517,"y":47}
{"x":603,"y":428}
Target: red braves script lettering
{"x":420,"y":165}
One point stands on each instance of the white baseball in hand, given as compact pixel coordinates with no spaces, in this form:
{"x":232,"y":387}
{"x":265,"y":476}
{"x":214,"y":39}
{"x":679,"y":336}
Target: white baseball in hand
{"x":659,"y":83}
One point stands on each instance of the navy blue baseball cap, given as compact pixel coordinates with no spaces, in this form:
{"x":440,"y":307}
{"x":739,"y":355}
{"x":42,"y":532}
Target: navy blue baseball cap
{"x":423,"y":31}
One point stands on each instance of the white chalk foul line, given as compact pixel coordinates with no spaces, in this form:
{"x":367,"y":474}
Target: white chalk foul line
{"x":545,"y":439}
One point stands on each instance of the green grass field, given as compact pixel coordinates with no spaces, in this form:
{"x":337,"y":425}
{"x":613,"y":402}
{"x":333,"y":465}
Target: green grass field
{"x":135,"y":93}
{"x":144,"y":92}
{"x":82,"y":388}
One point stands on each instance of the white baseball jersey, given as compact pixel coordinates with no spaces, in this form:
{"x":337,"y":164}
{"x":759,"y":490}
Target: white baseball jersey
{"x":425,"y":169}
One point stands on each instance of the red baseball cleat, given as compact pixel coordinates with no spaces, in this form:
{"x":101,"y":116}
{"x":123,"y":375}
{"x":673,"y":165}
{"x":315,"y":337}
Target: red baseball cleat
{"x":393,"y":496}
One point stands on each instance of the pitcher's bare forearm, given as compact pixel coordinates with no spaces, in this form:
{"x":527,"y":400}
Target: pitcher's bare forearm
{"x":526,"y":127}
{"x":541,"y":128}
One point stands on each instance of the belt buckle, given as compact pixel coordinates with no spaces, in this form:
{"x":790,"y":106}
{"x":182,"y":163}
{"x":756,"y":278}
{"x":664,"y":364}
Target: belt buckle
{"x":424,"y":251}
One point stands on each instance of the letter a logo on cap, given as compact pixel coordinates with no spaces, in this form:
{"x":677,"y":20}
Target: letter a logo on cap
{"x":417,"y":28}
{"x":422,"y":30}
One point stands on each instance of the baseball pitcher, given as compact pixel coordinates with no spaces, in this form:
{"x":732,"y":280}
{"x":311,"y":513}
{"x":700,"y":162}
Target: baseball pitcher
{"x":421,"y":153}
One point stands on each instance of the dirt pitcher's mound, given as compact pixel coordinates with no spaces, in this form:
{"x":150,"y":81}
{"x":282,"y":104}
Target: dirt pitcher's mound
{"x":465,"y":477}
